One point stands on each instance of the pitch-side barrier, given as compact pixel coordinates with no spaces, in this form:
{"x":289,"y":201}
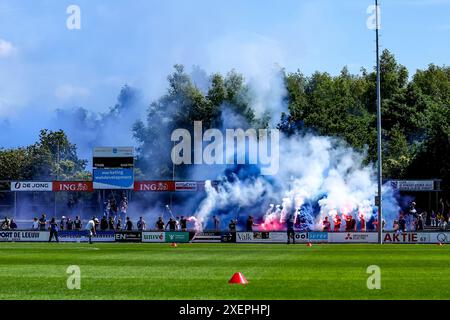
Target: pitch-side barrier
{"x":226,"y":237}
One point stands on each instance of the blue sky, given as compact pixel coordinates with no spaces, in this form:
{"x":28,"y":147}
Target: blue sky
{"x":44,"y":66}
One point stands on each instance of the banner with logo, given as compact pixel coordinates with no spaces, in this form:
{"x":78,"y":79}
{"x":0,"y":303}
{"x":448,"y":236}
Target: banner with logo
{"x":207,"y":237}
{"x":177,"y":236}
{"x":185,"y":186}
{"x":353,"y":237}
{"x":31,"y":186}
{"x":412,"y":185}
{"x":24,"y":236}
{"x":73,"y":186}
{"x":148,"y":236}
{"x":128,"y":236}
{"x":318,"y":236}
{"x":416,"y":237}
{"x":120,"y":178}
{"x":83,"y":236}
{"x":154,"y":186}
{"x":261,"y":237}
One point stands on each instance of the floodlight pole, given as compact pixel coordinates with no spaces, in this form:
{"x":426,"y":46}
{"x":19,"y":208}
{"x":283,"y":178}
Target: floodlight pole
{"x":379,"y":173}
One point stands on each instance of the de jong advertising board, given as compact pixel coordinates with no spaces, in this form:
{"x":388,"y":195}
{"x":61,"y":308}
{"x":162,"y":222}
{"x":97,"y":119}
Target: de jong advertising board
{"x":31,"y":186}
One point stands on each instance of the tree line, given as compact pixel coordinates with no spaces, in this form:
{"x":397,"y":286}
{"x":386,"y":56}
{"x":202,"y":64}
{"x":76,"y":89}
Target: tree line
{"x":415,"y":120}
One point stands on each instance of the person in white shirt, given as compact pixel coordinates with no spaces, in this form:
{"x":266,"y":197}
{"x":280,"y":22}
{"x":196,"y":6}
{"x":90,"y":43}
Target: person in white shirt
{"x":90,"y":228}
{"x":35,"y":225}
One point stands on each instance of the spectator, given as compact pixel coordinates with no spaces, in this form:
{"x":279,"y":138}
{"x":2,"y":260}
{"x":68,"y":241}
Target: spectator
{"x":62,"y":223}
{"x":337,"y":223}
{"x":232,"y":226}
{"x":395,"y":226}
{"x":141,"y":225}
{"x":110,"y":223}
{"x":348,"y":223}
{"x":402,"y":223}
{"x":103,"y":224}
{"x":160,"y":224}
{"x":5,"y":224}
{"x":183,"y":223}
{"x":53,"y":230}
{"x":69,"y":224}
{"x":433,"y":219}
{"x":129,"y":224}
{"x":119,"y":224}
{"x":77,"y":223}
{"x":35,"y":225}
{"x":250,"y":224}
{"x":172,"y":224}
{"x":123,"y":206}
{"x":326,"y":224}
{"x":441,"y":206}
{"x":13,"y":225}
{"x":42,"y":222}
{"x":362,"y":222}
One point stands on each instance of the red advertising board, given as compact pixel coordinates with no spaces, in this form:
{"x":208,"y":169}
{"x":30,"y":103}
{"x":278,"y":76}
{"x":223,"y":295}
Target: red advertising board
{"x":73,"y":186}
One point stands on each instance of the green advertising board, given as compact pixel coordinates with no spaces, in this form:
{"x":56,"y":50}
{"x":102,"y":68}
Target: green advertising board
{"x":177,"y":236}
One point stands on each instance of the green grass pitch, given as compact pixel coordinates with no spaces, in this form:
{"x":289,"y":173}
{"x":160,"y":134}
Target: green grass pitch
{"x":202,"y":271}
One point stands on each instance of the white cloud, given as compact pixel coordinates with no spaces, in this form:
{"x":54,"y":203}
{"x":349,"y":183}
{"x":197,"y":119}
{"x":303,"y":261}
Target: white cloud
{"x":68,"y":91}
{"x":6,"y":49}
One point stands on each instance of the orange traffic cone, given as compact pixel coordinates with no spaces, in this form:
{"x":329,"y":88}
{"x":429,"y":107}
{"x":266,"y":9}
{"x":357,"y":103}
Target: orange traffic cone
{"x":309,"y":244}
{"x":238,"y":278}
{"x":173,"y":244}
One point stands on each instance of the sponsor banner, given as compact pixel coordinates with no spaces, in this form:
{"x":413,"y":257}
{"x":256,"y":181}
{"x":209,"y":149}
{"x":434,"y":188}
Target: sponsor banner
{"x":411,"y":185}
{"x":112,"y":152}
{"x":154,"y":186}
{"x":185,"y":186}
{"x":24,"y":236}
{"x":177,"y":236}
{"x":228,"y":237}
{"x":83,"y":236}
{"x":353,"y":237}
{"x":301,"y":237}
{"x":416,"y":237}
{"x":318,"y":236}
{"x":73,"y":186}
{"x":148,"y":236}
{"x":207,"y":237}
{"x":261,"y":237}
{"x":31,"y":186}
{"x":121,"y":178}
{"x":128,"y":236}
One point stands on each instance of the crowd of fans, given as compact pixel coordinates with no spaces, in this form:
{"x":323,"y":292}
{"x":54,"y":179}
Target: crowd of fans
{"x":115,"y":218}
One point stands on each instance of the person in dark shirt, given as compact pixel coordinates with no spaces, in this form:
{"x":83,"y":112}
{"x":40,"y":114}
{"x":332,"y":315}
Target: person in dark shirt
{"x":77,"y":223}
{"x":250,"y":224}
{"x":141,"y":225}
{"x":290,"y":229}
{"x":172,"y":224}
{"x":183,"y":223}
{"x":69,"y":224}
{"x":42,"y":222}
{"x":111,"y":223}
{"x":119,"y":225}
{"x":62,"y":223}
{"x":232,"y":226}
{"x":160,"y":224}
{"x":103,"y":224}
{"x":129,"y":224}
{"x":402,"y":224}
{"x":13,"y":225}
{"x":53,"y":230}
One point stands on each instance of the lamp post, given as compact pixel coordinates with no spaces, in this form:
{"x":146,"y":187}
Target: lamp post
{"x":379,"y":171}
